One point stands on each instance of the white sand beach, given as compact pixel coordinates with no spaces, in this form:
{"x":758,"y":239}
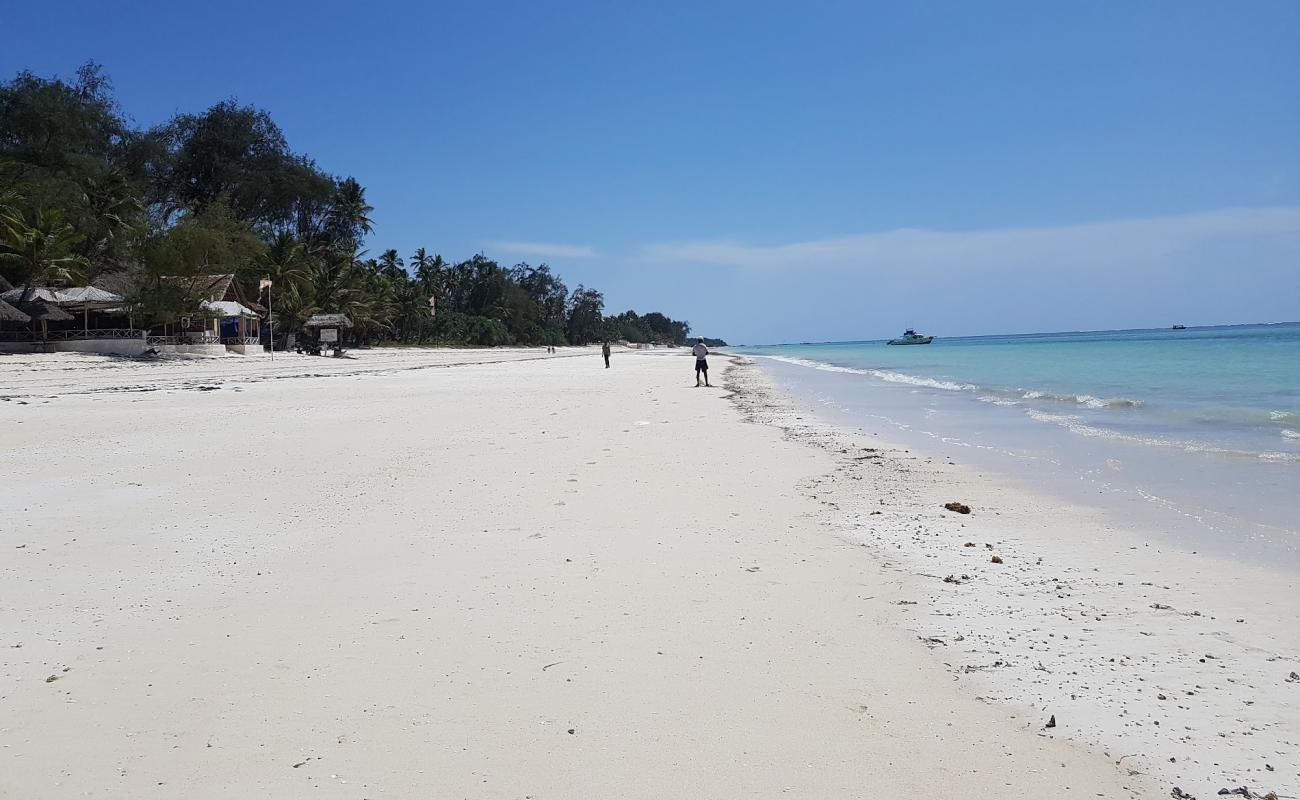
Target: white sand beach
{"x":502,"y":574}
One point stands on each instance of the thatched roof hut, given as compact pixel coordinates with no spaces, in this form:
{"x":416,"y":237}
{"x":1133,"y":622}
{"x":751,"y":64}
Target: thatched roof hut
{"x":44,"y":311}
{"x":75,"y":296}
{"x":203,"y":287}
{"x":29,"y":294}
{"x":10,"y":314}
{"x":117,"y":281}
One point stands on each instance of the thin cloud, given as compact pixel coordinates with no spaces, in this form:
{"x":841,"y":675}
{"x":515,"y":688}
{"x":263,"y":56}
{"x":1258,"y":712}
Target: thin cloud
{"x":1099,"y":244}
{"x":544,"y":249}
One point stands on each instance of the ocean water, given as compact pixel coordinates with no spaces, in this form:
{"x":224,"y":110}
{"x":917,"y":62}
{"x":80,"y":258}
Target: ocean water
{"x":1194,"y":432}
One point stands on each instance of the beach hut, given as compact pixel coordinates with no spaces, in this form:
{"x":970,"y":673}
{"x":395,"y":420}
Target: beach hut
{"x":240,"y":326}
{"x":83,"y":299}
{"x":44,"y":312}
{"x":221,"y":311}
{"x":87,"y":299}
{"x":10,"y":314}
{"x":94,"y":319}
{"x":328,"y":330}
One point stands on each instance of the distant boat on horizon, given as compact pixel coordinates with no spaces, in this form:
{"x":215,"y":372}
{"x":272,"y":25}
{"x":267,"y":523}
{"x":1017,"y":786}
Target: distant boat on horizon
{"x":1180,"y":327}
{"x":911,"y":337}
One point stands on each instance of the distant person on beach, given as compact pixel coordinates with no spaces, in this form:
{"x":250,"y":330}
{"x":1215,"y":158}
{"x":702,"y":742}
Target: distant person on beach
{"x":604,"y":351}
{"x":701,"y":362}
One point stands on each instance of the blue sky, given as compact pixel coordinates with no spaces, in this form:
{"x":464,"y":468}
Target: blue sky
{"x":778,"y":171}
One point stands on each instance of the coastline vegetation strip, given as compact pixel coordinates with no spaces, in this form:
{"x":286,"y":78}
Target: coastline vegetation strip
{"x":87,"y":198}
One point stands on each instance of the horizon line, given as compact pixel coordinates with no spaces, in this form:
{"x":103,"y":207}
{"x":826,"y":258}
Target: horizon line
{"x":1025,"y":333}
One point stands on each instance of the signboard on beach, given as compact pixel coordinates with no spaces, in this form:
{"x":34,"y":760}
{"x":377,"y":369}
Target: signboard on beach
{"x":329,"y":334}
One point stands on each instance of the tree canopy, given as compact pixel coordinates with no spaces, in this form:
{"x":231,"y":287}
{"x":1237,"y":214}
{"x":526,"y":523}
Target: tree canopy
{"x":84,"y":192}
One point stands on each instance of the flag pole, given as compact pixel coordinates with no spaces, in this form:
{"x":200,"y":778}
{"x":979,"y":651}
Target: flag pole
{"x":270,"y":312}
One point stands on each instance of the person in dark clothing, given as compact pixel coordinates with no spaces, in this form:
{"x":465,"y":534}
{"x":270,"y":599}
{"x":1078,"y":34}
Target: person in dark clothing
{"x":604,"y":351}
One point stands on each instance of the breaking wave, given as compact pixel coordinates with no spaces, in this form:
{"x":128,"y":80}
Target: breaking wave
{"x":1086,"y":400}
{"x":1076,"y":425}
{"x":989,"y":394}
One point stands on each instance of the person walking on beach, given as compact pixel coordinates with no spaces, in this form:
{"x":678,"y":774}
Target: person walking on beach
{"x":604,"y":351}
{"x":701,"y":362}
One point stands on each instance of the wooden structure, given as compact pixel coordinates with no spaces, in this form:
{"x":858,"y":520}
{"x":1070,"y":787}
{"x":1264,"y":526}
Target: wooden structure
{"x":221,"y":314}
{"x":73,"y":300}
{"x":10,"y":314}
{"x":44,"y":312}
{"x":327,"y":331}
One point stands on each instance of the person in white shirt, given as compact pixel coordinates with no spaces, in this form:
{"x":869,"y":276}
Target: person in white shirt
{"x":701,"y":362}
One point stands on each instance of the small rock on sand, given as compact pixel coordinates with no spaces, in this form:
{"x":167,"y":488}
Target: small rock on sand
{"x":960,"y":508}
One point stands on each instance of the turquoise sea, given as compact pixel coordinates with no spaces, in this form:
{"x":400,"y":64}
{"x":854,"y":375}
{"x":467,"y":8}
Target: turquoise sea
{"x":1194,"y":431}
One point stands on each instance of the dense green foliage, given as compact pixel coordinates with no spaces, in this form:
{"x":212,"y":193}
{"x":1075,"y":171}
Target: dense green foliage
{"x":83,"y":193}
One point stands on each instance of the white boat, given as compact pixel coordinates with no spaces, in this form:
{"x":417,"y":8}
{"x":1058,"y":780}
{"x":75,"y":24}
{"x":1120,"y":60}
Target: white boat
{"x":911,"y":337}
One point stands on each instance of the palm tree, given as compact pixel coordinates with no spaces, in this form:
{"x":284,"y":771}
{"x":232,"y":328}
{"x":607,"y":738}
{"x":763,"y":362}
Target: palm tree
{"x":39,"y":253}
{"x":333,"y":282}
{"x":287,"y":263}
{"x":428,"y":272}
{"x":348,"y":217}
{"x":113,"y":209}
{"x":410,"y":310}
{"x":392,"y":266}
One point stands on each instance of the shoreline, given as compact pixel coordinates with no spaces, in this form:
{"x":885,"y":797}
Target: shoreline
{"x":538,"y":579}
{"x":1159,"y":656}
{"x":1205,"y":483}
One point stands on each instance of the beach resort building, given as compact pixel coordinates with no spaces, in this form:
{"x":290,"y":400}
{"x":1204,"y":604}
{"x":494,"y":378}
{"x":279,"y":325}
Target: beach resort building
{"x":99,"y":319}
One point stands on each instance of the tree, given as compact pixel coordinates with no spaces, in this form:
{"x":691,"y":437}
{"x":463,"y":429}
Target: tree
{"x":392,"y":266}
{"x":110,"y":213}
{"x":487,"y":286}
{"x":220,"y":191}
{"x":586,"y":315}
{"x":230,"y":154}
{"x":547,"y":291}
{"x":38,"y":252}
{"x":287,"y":263}
{"x":54,"y":134}
{"x":347,"y":221}
{"x":334,"y":283}
{"x":200,"y":244}
{"x":410,"y":311}
{"x":66,"y":146}
{"x":428,"y":271}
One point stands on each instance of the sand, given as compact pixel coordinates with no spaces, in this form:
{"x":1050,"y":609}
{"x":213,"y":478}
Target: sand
{"x":1177,"y":664}
{"x":418,"y":574}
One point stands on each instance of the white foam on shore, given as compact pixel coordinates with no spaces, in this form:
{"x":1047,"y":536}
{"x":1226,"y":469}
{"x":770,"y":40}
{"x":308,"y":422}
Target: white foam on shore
{"x":987,"y":394}
{"x":1076,"y":425}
